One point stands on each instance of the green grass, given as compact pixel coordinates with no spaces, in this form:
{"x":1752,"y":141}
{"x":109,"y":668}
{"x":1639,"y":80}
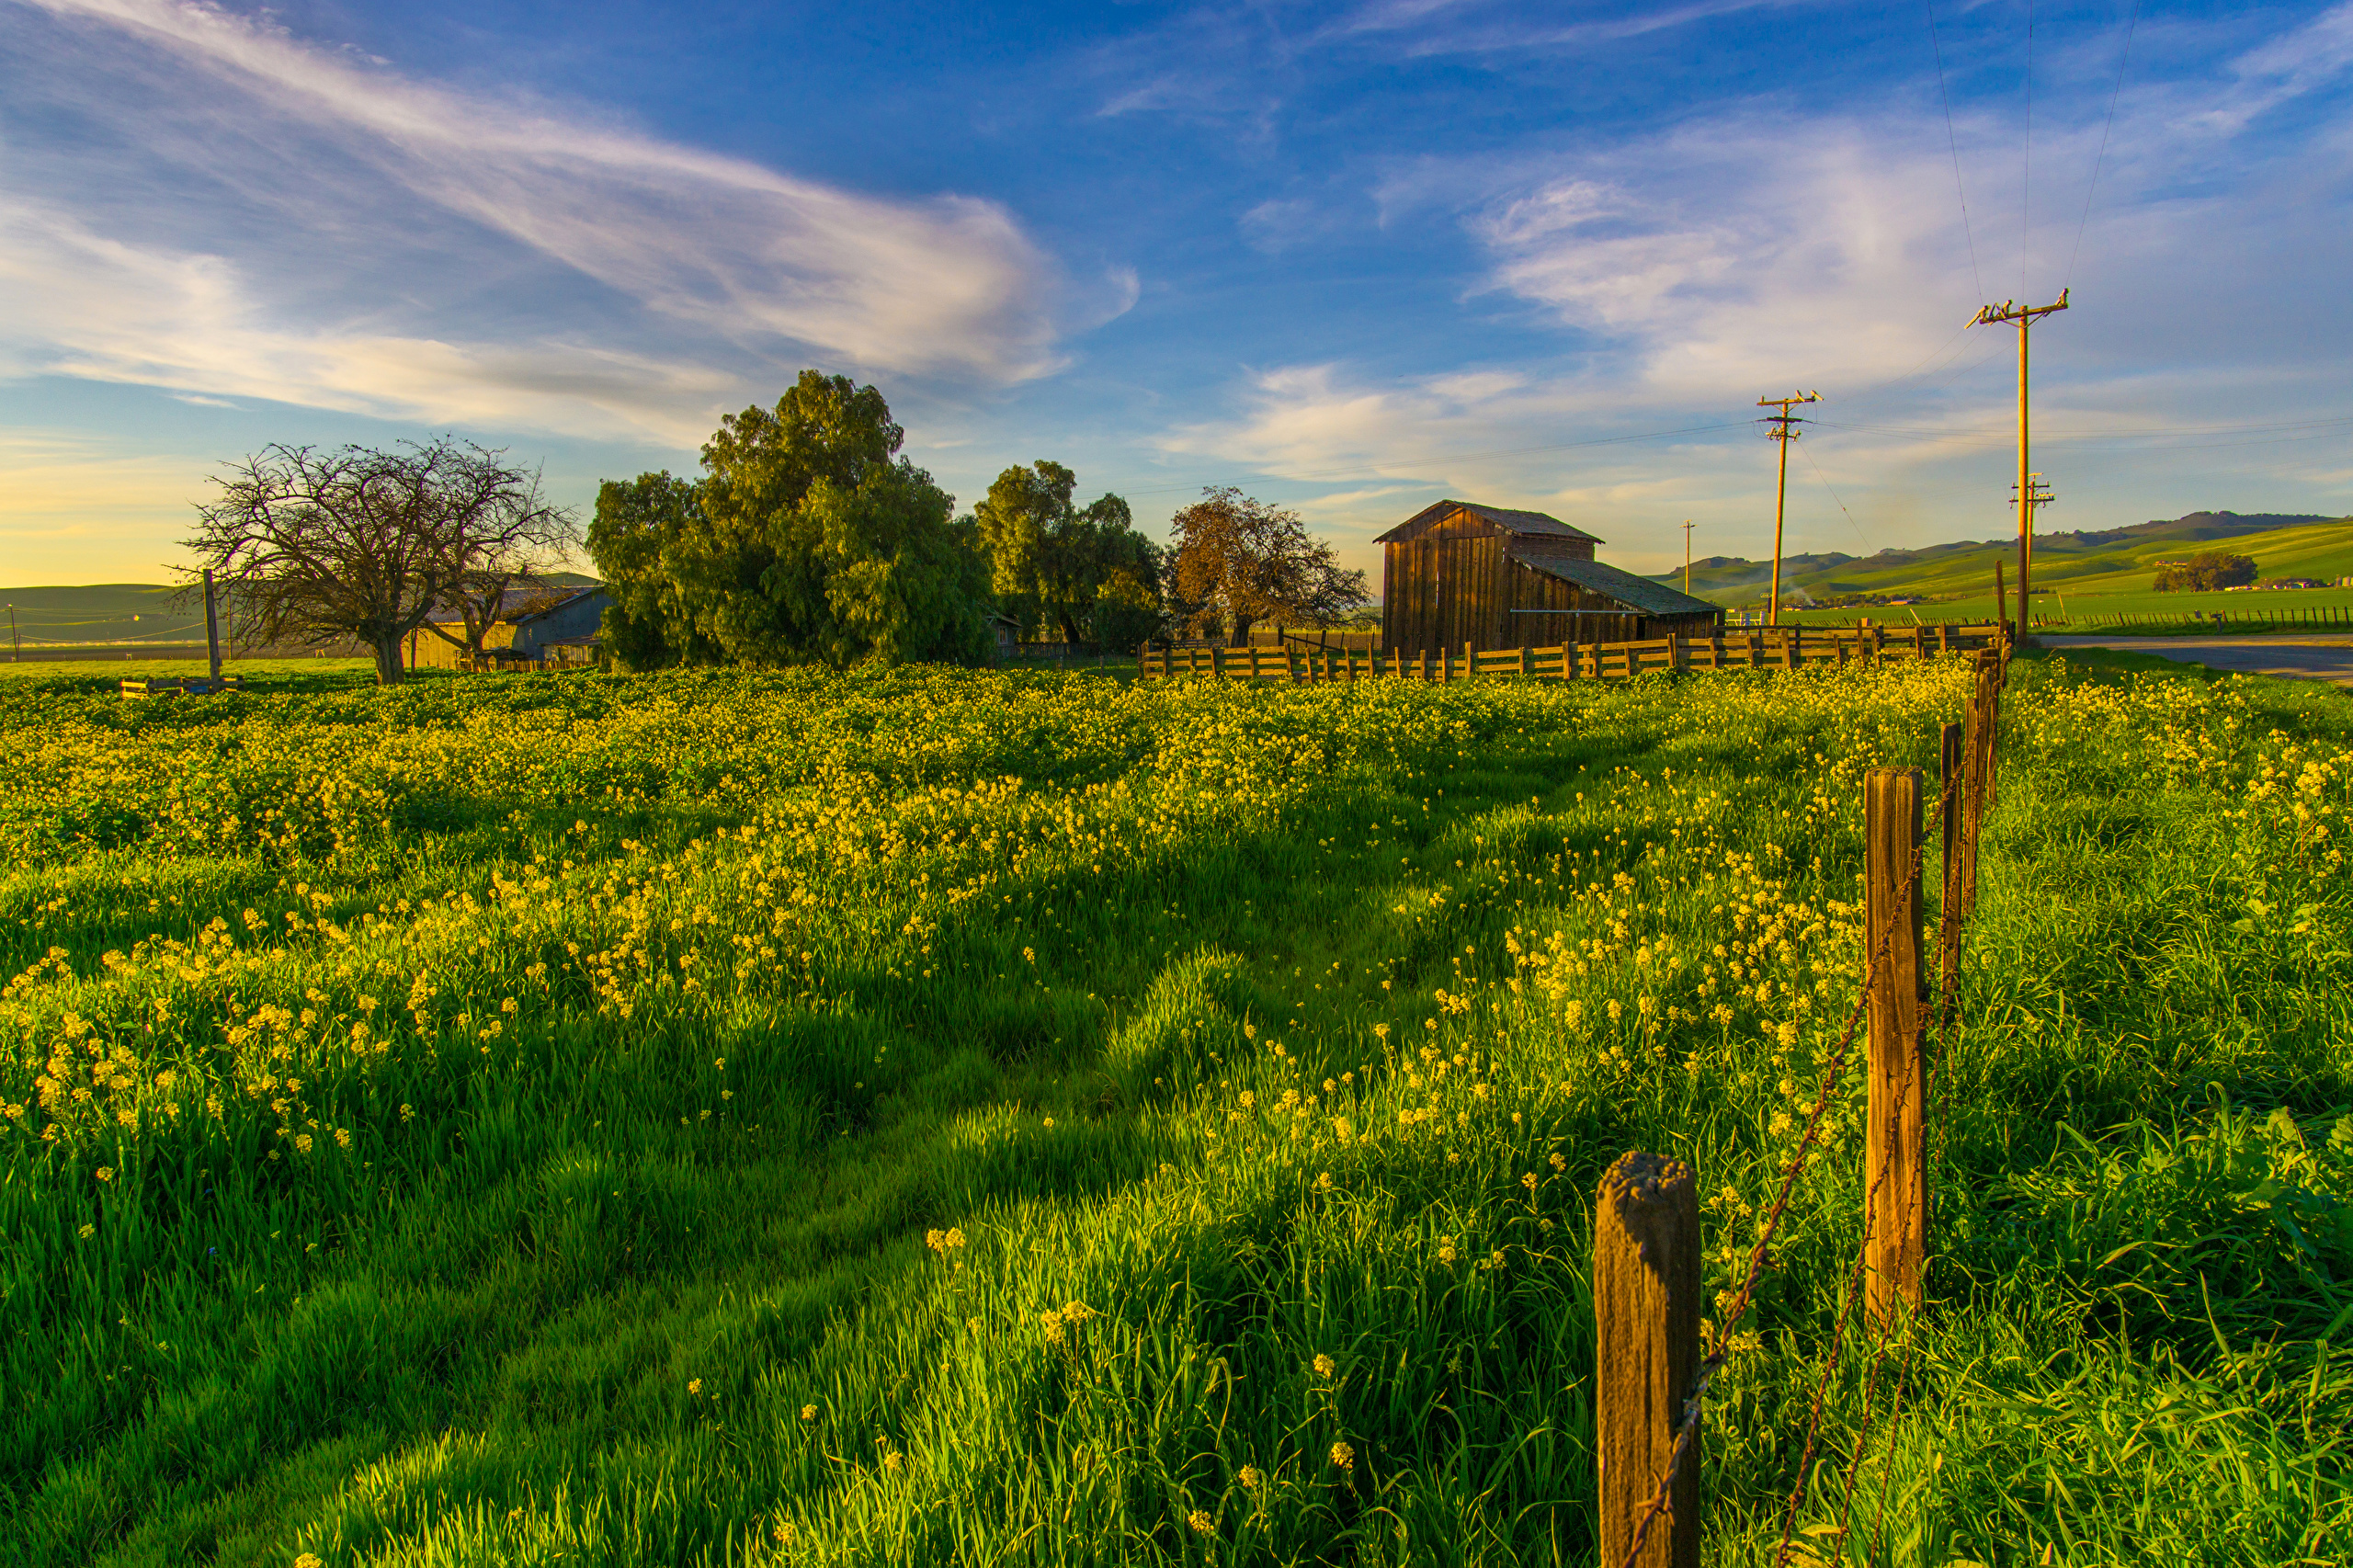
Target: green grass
{"x":2095,"y":574}
{"x":87,"y":676}
{"x":2272,"y":610}
{"x":1079,"y":979}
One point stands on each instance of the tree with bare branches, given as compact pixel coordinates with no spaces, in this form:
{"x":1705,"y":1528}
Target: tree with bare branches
{"x":1238,"y":561}
{"x":364,"y":544}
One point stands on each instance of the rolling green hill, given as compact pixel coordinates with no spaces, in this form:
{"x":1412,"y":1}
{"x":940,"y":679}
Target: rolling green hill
{"x":2111,"y":561}
{"x":123,"y":612}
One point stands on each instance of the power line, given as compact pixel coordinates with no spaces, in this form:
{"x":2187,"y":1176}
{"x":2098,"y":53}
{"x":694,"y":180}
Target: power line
{"x":2118,"y":92}
{"x":1863,"y":538}
{"x":2026,"y":175}
{"x":2166,"y":434}
{"x":1363,"y":469}
{"x":1953,"y":141}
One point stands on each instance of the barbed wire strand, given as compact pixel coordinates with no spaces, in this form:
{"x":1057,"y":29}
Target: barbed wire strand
{"x":1714,"y":1362}
{"x":1855,"y":1278}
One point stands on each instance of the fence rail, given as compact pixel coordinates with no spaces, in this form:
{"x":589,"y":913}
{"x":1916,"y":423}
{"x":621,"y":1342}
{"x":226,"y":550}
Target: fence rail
{"x":1781,"y":648}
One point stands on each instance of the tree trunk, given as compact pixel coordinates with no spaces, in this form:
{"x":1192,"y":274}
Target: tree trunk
{"x":388,"y":661}
{"x":1241,"y":631}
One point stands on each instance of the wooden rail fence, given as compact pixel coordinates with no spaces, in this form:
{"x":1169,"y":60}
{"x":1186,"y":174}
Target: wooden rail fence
{"x":1782,"y":647}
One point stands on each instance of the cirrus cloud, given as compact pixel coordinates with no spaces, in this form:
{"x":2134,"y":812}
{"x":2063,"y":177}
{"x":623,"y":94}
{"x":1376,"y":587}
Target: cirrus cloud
{"x":244,"y":213}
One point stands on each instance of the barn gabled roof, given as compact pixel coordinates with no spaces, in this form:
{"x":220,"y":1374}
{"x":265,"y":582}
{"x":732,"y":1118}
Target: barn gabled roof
{"x":1522,"y":525}
{"x":1641,"y":593}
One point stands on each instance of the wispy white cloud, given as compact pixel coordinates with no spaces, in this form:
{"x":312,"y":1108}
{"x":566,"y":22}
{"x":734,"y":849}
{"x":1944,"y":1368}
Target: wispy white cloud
{"x":1686,"y":272}
{"x":660,"y":275}
{"x":1440,"y":27}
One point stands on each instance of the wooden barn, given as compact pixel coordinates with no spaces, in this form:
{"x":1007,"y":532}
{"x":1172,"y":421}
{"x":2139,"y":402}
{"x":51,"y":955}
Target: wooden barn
{"x":1456,"y":572}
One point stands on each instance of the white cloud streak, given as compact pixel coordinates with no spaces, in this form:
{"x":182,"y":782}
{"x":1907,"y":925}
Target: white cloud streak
{"x":1754,"y":251}
{"x":663,"y":275}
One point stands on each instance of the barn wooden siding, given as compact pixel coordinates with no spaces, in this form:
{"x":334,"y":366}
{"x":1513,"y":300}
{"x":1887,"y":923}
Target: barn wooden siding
{"x":1458,"y":583}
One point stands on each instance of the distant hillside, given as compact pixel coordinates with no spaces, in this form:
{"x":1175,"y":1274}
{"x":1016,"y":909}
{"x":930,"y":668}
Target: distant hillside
{"x":124,"y":612}
{"x":2119,"y":560}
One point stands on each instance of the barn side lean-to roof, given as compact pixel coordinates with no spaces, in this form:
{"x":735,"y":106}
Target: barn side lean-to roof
{"x":1651,"y":598}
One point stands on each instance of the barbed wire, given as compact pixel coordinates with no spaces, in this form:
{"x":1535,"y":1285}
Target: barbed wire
{"x":1714,"y":1363}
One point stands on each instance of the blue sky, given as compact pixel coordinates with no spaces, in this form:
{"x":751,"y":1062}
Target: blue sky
{"x":1350,"y":257}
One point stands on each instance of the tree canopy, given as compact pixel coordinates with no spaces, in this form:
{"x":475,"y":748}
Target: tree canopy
{"x":1239,"y":562}
{"x":1084,"y":570}
{"x":807,"y":539}
{"x":363,"y":544}
{"x":2207,"y":569}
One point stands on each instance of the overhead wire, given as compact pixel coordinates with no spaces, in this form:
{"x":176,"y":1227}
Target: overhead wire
{"x":1361,"y":470}
{"x":2026,"y":167}
{"x":1859,"y":535}
{"x":2122,"y":58}
{"x":1952,"y":140}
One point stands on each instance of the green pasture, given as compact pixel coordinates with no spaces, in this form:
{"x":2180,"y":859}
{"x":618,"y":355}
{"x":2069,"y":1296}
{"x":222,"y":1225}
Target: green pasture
{"x":84,"y":677}
{"x":933,"y":1116}
{"x":2095,"y":573}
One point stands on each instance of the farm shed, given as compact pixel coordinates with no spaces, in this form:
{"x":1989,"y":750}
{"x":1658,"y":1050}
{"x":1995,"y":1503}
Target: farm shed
{"x":1458,"y":572}
{"x":552,"y":625}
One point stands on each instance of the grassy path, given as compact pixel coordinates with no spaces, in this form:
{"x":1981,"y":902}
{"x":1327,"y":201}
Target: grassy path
{"x":941,"y":1117}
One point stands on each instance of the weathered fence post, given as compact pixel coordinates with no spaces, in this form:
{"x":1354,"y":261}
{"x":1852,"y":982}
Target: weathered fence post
{"x":1972,"y":799}
{"x":1894,"y":1170}
{"x":1952,"y":768}
{"x":1646,"y":1335}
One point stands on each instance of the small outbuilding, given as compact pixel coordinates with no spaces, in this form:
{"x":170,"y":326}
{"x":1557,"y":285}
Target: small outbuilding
{"x":1459,"y":572}
{"x":534,"y":626}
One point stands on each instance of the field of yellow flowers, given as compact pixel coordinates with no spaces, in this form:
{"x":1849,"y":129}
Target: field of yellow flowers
{"x":929,"y":1116}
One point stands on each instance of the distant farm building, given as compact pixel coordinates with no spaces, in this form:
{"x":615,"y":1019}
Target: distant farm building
{"x":1459,"y":572}
{"x":534,"y":627}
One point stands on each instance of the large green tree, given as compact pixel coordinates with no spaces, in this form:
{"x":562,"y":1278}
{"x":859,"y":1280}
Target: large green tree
{"x":807,"y":539}
{"x":1084,"y":570}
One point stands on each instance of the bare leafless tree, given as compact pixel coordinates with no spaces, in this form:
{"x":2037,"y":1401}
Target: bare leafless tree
{"x":363,"y":544}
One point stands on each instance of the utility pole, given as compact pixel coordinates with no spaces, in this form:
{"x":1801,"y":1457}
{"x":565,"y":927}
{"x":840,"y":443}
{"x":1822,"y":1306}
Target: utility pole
{"x":2025,"y":317}
{"x":1784,"y":430}
{"x":15,"y":649}
{"x":2038,"y":495}
{"x":211,"y":626}
{"x":1686,"y":557}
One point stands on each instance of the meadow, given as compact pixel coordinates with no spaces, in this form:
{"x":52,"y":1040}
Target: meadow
{"x":921,"y":1117}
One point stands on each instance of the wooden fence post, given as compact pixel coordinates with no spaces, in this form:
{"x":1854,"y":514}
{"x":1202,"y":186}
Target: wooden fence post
{"x":1953,"y":769}
{"x":1894,"y":1166}
{"x":1972,"y":801}
{"x":1646,"y":1336}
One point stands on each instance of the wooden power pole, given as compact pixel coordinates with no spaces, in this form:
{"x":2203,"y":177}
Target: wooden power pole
{"x":1686,"y":556}
{"x":211,"y":626}
{"x":2024,"y":317}
{"x":1784,"y":430}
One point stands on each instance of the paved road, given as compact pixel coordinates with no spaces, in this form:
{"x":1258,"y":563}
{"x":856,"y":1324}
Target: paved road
{"x":2308,"y":658}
